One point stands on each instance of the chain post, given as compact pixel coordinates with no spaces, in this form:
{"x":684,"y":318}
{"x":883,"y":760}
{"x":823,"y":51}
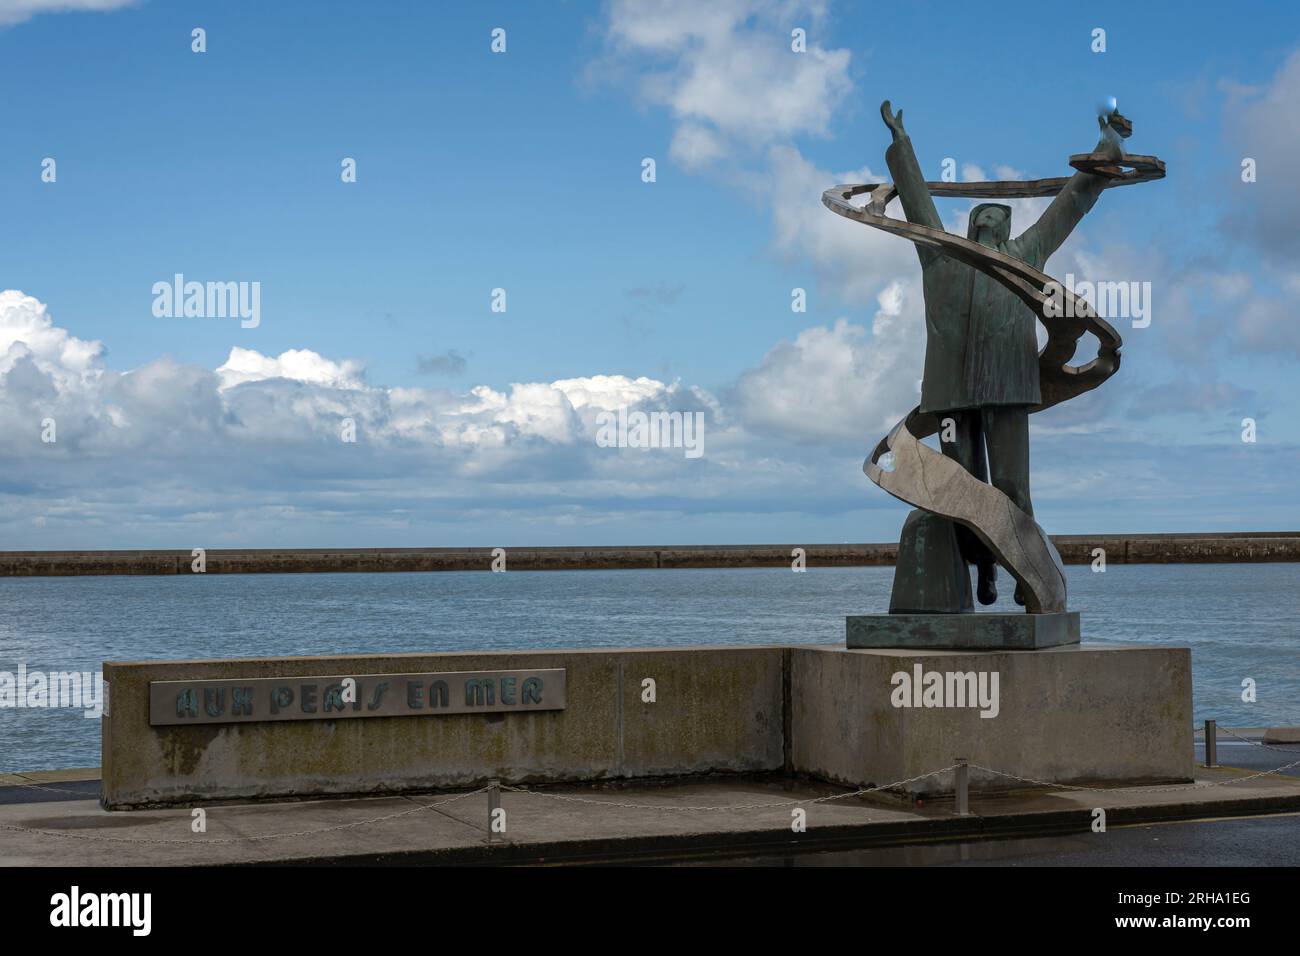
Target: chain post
{"x":963,"y":787}
{"x":494,"y":804}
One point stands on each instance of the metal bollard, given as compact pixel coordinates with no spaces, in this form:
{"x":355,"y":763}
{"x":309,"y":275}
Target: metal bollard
{"x":1211,"y":744}
{"x":494,"y":804}
{"x":963,"y":787}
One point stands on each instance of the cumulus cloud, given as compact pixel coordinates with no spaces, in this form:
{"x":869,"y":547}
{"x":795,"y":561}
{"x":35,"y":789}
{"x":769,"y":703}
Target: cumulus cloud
{"x":266,"y":432}
{"x":27,"y":331}
{"x":251,"y":453}
{"x":840,"y":383}
{"x":607,"y":392}
{"x":854,"y":260}
{"x":726,"y":71}
{"x":694,"y":146}
{"x":296,"y":365}
{"x":16,"y":11}
{"x":296,"y":397}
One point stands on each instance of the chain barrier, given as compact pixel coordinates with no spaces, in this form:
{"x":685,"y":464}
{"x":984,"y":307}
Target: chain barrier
{"x":569,"y":798}
{"x":1178,"y":787}
{"x":1258,"y":743}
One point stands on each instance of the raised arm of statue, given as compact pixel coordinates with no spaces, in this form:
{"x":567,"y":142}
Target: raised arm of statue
{"x":918,"y":204}
{"x":1071,"y":204}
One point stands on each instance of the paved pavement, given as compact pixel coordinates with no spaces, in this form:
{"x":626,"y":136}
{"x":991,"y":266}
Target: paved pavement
{"x":63,"y":824}
{"x":1232,"y":753}
{"x":1272,"y":840}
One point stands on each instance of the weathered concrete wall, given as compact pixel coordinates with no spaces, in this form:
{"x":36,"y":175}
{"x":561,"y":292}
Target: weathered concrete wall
{"x":1245,"y":547}
{"x":1074,"y":549}
{"x":1067,"y":715}
{"x":717,"y":710}
{"x":254,"y":561}
{"x":1078,"y":715}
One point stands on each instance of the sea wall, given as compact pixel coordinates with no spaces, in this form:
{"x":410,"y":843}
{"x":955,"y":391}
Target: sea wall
{"x":1243,"y":547}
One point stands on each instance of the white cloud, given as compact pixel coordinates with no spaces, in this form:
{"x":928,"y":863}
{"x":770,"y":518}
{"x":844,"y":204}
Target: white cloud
{"x":695,"y":146}
{"x":16,"y":11}
{"x":298,"y":365}
{"x":298,"y":396}
{"x":839,"y":384}
{"x":26,"y":329}
{"x":856,"y":260}
{"x":251,"y":452}
{"x":608,"y":392}
{"x":726,"y":71}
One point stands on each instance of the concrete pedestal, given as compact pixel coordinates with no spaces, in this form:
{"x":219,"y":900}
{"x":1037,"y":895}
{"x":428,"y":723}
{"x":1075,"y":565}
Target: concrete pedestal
{"x":1083,"y":715}
{"x":1115,"y":715}
{"x":959,"y":632}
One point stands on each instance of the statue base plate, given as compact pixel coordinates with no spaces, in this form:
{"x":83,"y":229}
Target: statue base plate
{"x":963,"y":632}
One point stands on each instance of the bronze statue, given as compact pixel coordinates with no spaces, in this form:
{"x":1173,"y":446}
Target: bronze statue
{"x":984,"y":374}
{"x":981,"y":354}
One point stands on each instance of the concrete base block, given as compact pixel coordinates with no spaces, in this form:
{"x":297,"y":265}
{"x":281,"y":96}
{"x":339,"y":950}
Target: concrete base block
{"x":1013,"y":632}
{"x":1069,"y":714}
{"x":1282,"y":735}
{"x":719,"y":709}
{"x":1076,"y":715}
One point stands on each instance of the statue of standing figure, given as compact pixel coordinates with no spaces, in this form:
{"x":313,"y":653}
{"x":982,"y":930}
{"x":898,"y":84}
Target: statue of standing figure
{"x":981,"y":373}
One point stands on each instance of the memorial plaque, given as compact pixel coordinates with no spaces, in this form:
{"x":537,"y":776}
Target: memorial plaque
{"x":346,"y":696}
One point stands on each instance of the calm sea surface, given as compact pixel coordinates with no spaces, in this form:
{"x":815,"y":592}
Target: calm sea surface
{"x":1239,"y":620}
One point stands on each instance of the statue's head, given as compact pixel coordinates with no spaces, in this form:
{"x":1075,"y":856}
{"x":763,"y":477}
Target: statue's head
{"x":990,"y":223}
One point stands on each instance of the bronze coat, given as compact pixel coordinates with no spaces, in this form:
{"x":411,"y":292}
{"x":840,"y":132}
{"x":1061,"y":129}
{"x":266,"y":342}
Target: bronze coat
{"x":981,"y":349}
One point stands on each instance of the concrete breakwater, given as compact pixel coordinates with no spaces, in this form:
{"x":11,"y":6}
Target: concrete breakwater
{"x":1192,"y":548}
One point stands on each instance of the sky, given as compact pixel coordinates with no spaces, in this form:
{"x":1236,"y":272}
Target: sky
{"x":379,"y":399}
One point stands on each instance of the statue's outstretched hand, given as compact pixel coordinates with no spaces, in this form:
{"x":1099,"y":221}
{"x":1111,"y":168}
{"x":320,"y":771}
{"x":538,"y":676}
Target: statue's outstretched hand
{"x":893,"y":120}
{"x":1108,"y":146}
{"x":1113,"y":127}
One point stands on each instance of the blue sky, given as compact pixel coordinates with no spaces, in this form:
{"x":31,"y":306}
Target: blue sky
{"x":522,"y":171}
